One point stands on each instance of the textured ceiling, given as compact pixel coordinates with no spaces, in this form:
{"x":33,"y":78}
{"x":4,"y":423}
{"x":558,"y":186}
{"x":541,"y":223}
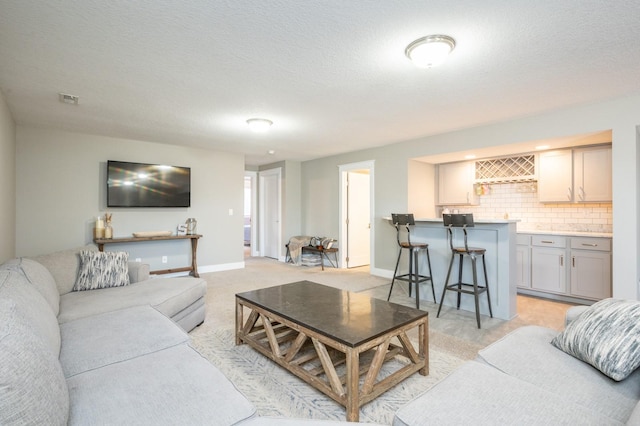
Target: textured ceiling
{"x":331,"y":74}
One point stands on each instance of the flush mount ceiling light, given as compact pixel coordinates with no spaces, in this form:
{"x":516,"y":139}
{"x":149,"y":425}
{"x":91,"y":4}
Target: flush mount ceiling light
{"x":259,"y":125}
{"x":430,"y":51}
{"x":65,"y":98}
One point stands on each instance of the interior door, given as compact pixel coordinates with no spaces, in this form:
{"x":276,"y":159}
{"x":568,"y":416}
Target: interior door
{"x":270,"y":213}
{"x":358,"y":220}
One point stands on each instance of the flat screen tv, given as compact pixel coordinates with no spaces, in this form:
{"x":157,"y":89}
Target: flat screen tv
{"x":147,"y":185}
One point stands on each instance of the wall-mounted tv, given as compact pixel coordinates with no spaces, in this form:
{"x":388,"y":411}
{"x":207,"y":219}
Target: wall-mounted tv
{"x":147,"y":185}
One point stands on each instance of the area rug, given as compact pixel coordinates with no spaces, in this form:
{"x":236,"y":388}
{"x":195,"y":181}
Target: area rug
{"x":277,"y":393}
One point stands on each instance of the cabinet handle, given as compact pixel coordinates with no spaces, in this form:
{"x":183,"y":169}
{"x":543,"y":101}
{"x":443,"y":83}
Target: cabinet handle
{"x":546,"y":242}
{"x":589,"y":245}
{"x":573,"y":261}
{"x":561,"y":260}
{"x":569,"y":194}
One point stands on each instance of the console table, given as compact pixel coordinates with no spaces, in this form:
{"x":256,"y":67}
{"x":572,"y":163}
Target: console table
{"x":193,"y":269}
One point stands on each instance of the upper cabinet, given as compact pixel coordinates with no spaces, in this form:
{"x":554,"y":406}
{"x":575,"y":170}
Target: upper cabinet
{"x":575,"y":176}
{"x":456,"y":184}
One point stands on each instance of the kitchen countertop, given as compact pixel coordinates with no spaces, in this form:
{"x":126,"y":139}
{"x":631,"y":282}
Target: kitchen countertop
{"x":566,"y":233}
{"x":475,"y":220}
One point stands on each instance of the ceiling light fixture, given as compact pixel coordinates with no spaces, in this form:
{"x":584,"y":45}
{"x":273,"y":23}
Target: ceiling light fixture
{"x":430,"y":51}
{"x":66,"y":98}
{"x":259,"y":125}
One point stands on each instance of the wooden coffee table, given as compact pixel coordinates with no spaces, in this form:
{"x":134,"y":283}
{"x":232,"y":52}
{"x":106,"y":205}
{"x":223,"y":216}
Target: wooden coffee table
{"x":331,"y":338}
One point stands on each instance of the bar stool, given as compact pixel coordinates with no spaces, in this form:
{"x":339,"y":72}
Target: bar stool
{"x":465,"y":221}
{"x":412,"y":277}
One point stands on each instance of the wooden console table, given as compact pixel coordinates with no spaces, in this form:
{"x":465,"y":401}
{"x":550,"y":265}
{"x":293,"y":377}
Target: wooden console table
{"x":193,"y":269}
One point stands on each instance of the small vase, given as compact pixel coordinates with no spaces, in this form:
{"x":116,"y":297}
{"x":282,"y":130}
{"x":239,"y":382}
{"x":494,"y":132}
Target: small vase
{"x":108,"y":232}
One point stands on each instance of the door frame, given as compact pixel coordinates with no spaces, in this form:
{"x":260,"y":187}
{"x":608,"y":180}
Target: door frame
{"x":261,"y":175}
{"x":342,"y":195}
{"x":255,"y":251}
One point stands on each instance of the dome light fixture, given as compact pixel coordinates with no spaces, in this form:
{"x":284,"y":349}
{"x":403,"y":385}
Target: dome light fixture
{"x":259,"y":125}
{"x":430,"y":51}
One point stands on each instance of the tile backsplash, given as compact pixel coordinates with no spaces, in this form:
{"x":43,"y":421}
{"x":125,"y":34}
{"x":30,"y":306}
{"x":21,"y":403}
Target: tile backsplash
{"x":520,"y":201}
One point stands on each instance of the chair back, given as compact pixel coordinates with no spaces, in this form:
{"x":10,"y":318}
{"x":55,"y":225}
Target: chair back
{"x":403,"y":220}
{"x":461,"y":220}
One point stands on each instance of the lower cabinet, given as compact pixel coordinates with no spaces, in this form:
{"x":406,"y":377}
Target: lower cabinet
{"x":578,"y":267}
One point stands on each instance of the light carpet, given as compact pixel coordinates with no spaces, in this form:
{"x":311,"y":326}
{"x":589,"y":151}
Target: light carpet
{"x":274,"y":391}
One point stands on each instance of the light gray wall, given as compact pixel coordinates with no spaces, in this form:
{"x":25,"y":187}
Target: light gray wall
{"x":320,"y":177}
{"x":61,"y":188}
{"x":7,"y":182}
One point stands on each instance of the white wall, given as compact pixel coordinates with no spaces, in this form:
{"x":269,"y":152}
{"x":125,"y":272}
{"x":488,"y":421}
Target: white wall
{"x":320,"y":177}
{"x":7,"y":182}
{"x":61,"y":188}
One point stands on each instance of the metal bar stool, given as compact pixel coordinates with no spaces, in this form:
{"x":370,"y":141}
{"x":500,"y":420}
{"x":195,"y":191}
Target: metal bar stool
{"x":412,"y":277}
{"x":465,"y":221}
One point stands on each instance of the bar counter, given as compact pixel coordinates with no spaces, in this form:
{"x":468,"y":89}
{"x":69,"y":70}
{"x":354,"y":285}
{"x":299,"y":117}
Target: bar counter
{"x":497,"y":236}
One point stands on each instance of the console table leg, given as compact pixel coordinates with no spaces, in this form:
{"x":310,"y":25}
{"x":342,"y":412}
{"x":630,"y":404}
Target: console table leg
{"x":194,"y":263}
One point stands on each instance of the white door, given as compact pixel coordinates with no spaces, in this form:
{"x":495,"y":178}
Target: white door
{"x":270,"y":196}
{"x":358,"y":220}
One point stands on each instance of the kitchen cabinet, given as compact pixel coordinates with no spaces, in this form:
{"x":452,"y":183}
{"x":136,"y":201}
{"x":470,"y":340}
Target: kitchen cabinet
{"x":456,"y":184}
{"x":564,"y":266}
{"x":523,"y":261}
{"x":580,"y":175}
{"x":591,"y":268}
{"x":548,"y":266}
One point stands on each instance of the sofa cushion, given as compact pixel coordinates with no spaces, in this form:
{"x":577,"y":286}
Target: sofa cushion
{"x":39,"y":277}
{"x":14,"y":286}
{"x":104,"y":339}
{"x":102,"y":270}
{"x":481,"y":395}
{"x":175,"y":386}
{"x":607,"y":336}
{"x":527,"y":354}
{"x":32,"y":387}
{"x":64,"y":265}
{"x":168,"y":295}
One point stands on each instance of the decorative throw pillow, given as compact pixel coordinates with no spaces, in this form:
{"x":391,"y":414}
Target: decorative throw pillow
{"x":607,"y":336}
{"x":102,"y":270}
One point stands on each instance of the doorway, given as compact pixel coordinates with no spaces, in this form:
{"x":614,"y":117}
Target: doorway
{"x":250,"y":213}
{"x":356,"y":214}
{"x":270,"y":213}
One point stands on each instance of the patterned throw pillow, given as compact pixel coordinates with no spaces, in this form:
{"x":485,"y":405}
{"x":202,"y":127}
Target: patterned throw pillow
{"x":102,"y":270}
{"x":607,"y":336}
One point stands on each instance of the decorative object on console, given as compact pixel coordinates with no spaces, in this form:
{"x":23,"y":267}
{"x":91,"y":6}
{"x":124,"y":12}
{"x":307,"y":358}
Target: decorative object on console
{"x":607,"y":336}
{"x":98,"y":230}
{"x":102,"y":270}
{"x":145,"y":234}
{"x":181,"y":229}
{"x":108,"y":230}
{"x":192,"y":225}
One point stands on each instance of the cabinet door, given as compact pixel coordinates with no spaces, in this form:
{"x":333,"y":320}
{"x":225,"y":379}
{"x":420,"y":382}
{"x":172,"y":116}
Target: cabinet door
{"x":555,"y":177}
{"x":523,"y":262}
{"x":592,"y":175}
{"x":591,"y":274}
{"x":548,"y":271}
{"x":455,"y":183}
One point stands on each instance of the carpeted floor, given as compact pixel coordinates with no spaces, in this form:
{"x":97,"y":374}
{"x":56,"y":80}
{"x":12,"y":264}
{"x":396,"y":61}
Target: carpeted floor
{"x":273,"y":390}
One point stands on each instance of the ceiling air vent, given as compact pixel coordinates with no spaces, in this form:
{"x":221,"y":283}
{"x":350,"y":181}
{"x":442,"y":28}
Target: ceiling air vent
{"x":507,"y":169}
{"x":68,"y":99}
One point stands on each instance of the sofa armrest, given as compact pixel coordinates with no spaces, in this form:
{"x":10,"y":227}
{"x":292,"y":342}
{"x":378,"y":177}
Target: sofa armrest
{"x":138,"y":272}
{"x":573,"y":313}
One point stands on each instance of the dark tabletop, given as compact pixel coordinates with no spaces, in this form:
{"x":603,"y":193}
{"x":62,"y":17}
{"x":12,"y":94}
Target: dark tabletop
{"x":350,"y":318}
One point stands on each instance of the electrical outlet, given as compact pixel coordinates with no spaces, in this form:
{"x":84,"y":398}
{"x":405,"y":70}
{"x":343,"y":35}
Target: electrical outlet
{"x":164,"y":259}
{"x":230,"y":212}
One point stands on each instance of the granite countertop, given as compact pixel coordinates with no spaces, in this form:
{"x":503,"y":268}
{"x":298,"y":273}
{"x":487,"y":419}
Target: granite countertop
{"x":475,"y":220}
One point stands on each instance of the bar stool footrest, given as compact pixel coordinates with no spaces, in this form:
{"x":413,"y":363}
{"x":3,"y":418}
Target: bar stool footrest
{"x":454,"y":287}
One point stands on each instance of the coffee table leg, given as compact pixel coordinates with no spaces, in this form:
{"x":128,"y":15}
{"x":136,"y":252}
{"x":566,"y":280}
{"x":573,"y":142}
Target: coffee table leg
{"x":423,"y":345}
{"x":353,"y":385}
{"x":238,"y":322}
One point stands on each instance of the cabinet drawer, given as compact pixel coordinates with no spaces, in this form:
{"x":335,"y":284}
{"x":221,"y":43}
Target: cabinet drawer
{"x":549,"y":241}
{"x":523,"y":239}
{"x":585,"y":243}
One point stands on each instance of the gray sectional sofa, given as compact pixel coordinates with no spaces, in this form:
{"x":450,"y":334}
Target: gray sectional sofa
{"x":523,"y":379}
{"x":113,"y":356}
